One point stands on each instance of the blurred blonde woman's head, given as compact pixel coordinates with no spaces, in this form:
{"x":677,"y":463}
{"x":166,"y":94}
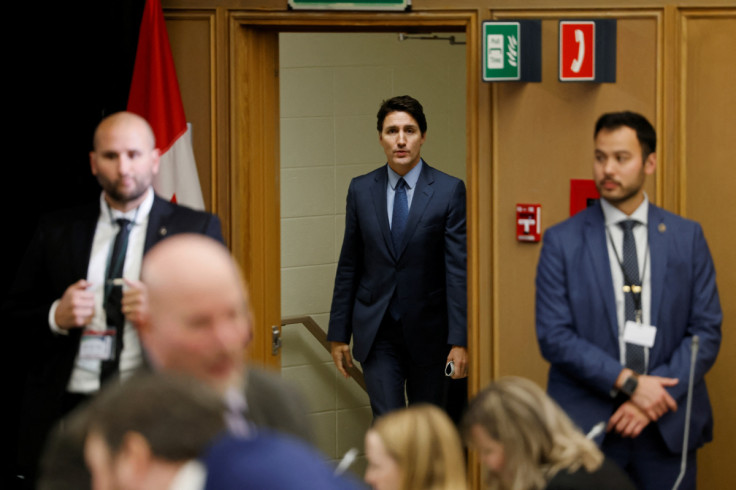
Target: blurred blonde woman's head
{"x":523,"y":437}
{"x":417,"y":448}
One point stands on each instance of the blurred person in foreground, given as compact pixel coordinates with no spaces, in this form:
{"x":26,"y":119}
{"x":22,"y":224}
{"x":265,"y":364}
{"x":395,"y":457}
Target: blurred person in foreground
{"x":168,"y":432}
{"x":148,"y":433}
{"x":196,"y":321}
{"x":199,"y":322}
{"x":525,"y":441}
{"x":416,"y":448}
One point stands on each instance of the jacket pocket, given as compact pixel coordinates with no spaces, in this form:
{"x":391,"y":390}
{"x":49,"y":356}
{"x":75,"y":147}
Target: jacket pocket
{"x":364,"y":295}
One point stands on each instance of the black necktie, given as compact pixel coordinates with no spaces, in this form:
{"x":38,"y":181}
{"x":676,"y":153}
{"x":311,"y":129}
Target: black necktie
{"x":634,"y":353}
{"x":114,"y":296}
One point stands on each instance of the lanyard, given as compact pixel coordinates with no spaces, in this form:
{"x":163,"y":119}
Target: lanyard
{"x":629,"y":285}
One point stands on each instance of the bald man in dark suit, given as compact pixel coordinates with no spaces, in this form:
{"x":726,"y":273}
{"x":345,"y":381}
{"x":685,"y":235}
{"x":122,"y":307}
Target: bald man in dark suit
{"x":58,"y":296}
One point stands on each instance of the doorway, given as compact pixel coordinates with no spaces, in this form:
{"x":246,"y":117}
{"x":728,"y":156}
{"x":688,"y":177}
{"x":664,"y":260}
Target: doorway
{"x":331,"y":85}
{"x":254,"y":153}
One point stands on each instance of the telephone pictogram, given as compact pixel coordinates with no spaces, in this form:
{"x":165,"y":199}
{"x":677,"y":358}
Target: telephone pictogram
{"x":577,"y":63}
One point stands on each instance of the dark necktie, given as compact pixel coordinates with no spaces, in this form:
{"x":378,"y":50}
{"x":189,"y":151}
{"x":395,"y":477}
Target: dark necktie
{"x":398,"y":225}
{"x":400,"y":214}
{"x":634,"y":353}
{"x":114,"y":296}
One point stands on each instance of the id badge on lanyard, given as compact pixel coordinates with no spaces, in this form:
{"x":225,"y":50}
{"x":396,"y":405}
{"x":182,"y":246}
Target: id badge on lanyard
{"x":98,"y":346}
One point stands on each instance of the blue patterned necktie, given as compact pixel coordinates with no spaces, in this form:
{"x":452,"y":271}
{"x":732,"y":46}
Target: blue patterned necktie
{"x":634,"y":353}
{"x":398,"y":225}
{"x":400,"y":214}
{"x":236,"y":408}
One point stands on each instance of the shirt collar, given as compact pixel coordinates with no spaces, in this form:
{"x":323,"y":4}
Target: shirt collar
{"x":613,"y":215}
{"x":411,"y":177}
{"x":138,"y":215}
{"x":191,"y":476}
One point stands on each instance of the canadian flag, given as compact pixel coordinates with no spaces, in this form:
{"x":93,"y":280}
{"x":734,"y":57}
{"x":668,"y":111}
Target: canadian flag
{"x":154,"y":95}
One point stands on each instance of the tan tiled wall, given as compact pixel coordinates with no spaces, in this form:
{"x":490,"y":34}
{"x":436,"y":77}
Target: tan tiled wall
{"x":331,"y":87}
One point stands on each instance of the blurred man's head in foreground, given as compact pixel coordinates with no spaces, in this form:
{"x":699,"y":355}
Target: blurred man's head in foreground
{"x":199,"y":318}
{"x":142,"y":432}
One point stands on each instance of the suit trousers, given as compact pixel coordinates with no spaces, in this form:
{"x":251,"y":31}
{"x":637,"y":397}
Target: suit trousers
{"x":648,"y":461}
{"x":392,"y":377}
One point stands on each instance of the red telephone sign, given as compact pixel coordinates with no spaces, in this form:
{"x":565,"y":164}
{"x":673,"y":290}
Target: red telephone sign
{"x":577,"y":50}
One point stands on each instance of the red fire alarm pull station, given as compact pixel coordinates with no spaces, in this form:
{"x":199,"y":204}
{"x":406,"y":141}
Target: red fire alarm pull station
{"x":528,"y":222}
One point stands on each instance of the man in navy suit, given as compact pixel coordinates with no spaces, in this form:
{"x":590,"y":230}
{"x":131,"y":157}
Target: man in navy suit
{"x":400,"y":288}
{"x":58,"y":295}
{"x":167,"y":431}
{"x":622,"y":289}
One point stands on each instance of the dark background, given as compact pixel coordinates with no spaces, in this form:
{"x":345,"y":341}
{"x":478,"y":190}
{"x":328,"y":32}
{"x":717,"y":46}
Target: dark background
{"x":68,"y":66}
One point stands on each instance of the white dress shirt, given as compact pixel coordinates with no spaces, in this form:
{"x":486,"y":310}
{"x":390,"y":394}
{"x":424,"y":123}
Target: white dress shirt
{"x":191,"y":476}
{"x":85,"y":376}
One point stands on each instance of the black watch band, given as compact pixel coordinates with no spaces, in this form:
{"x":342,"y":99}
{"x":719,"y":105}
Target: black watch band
{"x":630,"y":385}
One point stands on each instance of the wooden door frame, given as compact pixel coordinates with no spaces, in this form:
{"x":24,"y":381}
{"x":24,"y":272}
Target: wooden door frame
{"x":254,"y":148}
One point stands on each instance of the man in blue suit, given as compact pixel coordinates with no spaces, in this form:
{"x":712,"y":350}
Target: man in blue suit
{"x":400,"y":289}
{"x":623,"y":287}
{"x":167,"y":431}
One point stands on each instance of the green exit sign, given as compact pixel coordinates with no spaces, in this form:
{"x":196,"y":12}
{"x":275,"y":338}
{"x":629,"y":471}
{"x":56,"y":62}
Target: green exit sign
{"x":354,"y":5}
{"x":501,"y":51}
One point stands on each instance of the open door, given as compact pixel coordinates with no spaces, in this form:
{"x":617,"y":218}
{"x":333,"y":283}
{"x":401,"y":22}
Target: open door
{"x":254,"y":183}
{"x":255,"y":155}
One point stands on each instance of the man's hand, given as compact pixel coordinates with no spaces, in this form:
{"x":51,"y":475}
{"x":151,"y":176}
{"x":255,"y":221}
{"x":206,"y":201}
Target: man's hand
{"x":135,"y":302}
{"x":650,"y":396}
{"x":460,"y":356}
{"x":341,"y":356}
{"x":629,"y":420}
{"x":76,"y":306}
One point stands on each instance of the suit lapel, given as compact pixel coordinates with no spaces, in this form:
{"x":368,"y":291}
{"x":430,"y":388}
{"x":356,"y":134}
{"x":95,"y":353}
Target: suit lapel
{"x":657,"y":233}
{"x":378,"y":193}
{"x":597,"y":249}
{"x":157,"y":221}
{"x":83,"y":237}
{"x":422,"y":196}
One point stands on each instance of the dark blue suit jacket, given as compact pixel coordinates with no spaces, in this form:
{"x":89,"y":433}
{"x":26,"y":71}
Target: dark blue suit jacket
{"x":428,"y":272}
{"x":272,"y":461}
{"x":577,"y":325}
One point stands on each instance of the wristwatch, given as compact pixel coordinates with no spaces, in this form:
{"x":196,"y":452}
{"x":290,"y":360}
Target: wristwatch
{"x":629,"y":386}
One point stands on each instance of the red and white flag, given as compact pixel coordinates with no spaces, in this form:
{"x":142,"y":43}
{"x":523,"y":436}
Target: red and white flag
{"x":154,"y":95}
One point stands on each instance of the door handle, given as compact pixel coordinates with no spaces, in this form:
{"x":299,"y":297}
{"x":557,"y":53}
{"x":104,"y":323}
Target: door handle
{"x":275,"y":340}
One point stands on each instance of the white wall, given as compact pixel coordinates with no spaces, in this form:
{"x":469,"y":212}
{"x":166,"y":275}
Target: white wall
{"x":331,"y":88}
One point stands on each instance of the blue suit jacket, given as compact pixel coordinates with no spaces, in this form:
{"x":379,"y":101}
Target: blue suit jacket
{"x":428,"y":272}
{"x":269,"y":460}
{"x":577,"y":325}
